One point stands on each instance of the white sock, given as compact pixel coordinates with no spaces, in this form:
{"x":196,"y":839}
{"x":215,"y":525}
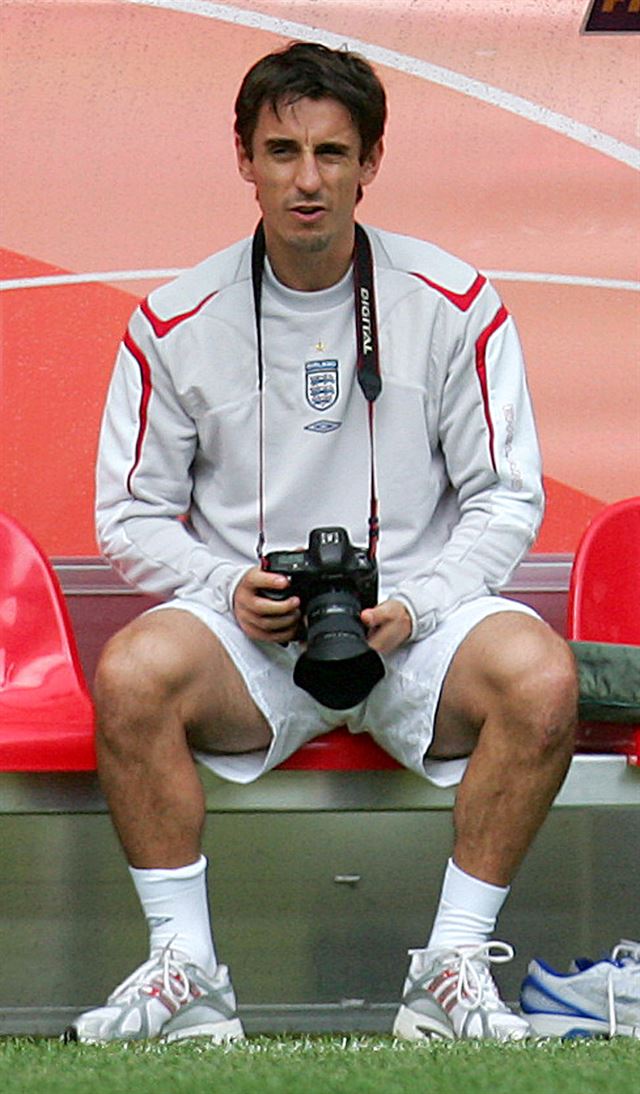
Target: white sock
{"x":467,"y":911}
{"x":176,"y":907}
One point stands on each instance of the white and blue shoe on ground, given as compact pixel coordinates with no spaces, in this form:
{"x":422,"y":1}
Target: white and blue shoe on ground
{"x":595,"y":998}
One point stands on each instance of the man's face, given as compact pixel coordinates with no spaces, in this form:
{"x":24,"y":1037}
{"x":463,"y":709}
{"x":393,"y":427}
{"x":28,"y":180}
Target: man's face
{"x":306,"y":169}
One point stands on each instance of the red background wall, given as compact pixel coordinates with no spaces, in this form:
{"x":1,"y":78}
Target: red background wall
{"x":119,"y":167}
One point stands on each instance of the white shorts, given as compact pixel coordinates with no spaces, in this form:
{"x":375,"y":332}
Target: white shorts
{"x":399,"y":712}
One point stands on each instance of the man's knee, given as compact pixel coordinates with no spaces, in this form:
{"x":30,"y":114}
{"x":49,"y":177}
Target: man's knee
{"x":536,"y":686}
{"x":136,"y":660}
{"x":166,"y":673}
{"x":143,"y":670}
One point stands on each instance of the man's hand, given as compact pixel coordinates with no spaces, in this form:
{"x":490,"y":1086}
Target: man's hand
{"x":261,"y":619}
{"x":388,"y":625}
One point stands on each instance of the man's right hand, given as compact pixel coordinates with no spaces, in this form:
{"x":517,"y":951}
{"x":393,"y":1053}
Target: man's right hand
{"x":262,"y":619}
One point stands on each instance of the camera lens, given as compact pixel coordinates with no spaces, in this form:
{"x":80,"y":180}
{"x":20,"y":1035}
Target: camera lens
{"x":338,"y":667}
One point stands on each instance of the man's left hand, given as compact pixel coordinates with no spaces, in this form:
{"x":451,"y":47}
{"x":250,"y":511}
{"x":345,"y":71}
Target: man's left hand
{"x":388,"y":625}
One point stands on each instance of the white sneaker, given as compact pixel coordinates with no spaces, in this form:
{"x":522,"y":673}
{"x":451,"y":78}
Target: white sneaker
{"x":167,"y":998}
{"x":593,"y":998}
{"x":451,"y":993}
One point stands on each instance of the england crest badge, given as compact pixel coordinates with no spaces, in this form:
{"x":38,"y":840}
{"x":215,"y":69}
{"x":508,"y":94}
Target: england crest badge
{"x":321,"y":383}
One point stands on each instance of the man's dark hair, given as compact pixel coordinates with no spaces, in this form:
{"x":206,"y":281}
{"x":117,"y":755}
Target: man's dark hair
{"x":308,"y":70}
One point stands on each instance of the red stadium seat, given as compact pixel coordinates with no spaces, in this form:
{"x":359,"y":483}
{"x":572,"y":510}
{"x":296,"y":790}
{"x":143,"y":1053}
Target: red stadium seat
{"x":46,"y":714}
{"x":604,"y":592}
{"x":604,"y":605}
{"x":340,"y":750}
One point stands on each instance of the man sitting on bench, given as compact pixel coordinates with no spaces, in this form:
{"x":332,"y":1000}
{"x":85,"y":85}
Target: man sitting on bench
{"x":273,"y":394}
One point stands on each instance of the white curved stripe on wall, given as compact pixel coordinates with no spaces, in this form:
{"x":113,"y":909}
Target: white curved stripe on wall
{"x":164,"y":275}
{"x":412,"y":66}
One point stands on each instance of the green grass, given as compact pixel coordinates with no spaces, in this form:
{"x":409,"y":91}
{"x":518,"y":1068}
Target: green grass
{"x":320,"y":1065}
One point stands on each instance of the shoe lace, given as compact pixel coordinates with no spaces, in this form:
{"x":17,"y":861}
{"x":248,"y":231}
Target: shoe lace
{"x":611,"y":1002}
{"x":174,"y":980}
{"x":476,"y":987}
{"x":625,"y":949}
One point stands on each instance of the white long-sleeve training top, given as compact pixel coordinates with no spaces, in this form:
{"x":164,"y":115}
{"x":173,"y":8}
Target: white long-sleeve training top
{"x":457,"y":458}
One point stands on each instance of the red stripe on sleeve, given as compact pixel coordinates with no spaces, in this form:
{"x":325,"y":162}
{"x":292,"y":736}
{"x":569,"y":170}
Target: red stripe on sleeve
{"x":463,"y":300}
{"x":145,"y":395}
{"x":499,"y":318}
{"x":161,"y":327}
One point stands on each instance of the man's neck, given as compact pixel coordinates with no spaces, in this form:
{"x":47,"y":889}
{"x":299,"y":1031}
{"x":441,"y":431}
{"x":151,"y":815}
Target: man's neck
{"x":309,"y":270}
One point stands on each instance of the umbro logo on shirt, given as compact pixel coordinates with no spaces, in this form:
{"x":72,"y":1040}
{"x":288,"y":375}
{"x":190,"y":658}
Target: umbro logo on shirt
{"x":323,"y":425}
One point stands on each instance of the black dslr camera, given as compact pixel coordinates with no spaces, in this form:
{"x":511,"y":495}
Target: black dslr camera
{"x":334,"y":581}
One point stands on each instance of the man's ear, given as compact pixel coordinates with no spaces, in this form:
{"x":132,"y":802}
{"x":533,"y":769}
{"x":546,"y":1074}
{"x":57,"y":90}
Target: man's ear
{"x":245,"y":163}
{"x":370,"y":166}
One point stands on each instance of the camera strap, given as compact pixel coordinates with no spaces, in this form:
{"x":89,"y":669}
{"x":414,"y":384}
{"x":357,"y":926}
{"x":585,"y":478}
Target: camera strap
{"x":367,"y":363}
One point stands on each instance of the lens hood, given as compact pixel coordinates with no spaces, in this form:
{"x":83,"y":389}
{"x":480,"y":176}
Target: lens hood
{"x":338,"y":668}
{"x":339,"y":684}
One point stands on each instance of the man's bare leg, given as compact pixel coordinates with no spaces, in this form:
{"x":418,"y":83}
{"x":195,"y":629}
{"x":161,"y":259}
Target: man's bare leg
{"x":511,"y":695}
{"x":163,"y":684}
{"x":509,"y":699}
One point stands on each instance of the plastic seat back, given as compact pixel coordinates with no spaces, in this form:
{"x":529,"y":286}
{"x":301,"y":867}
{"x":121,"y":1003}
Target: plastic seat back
{"x":46,"y":714}
{"x":604,"y":605}
{"x":604,"y":592}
